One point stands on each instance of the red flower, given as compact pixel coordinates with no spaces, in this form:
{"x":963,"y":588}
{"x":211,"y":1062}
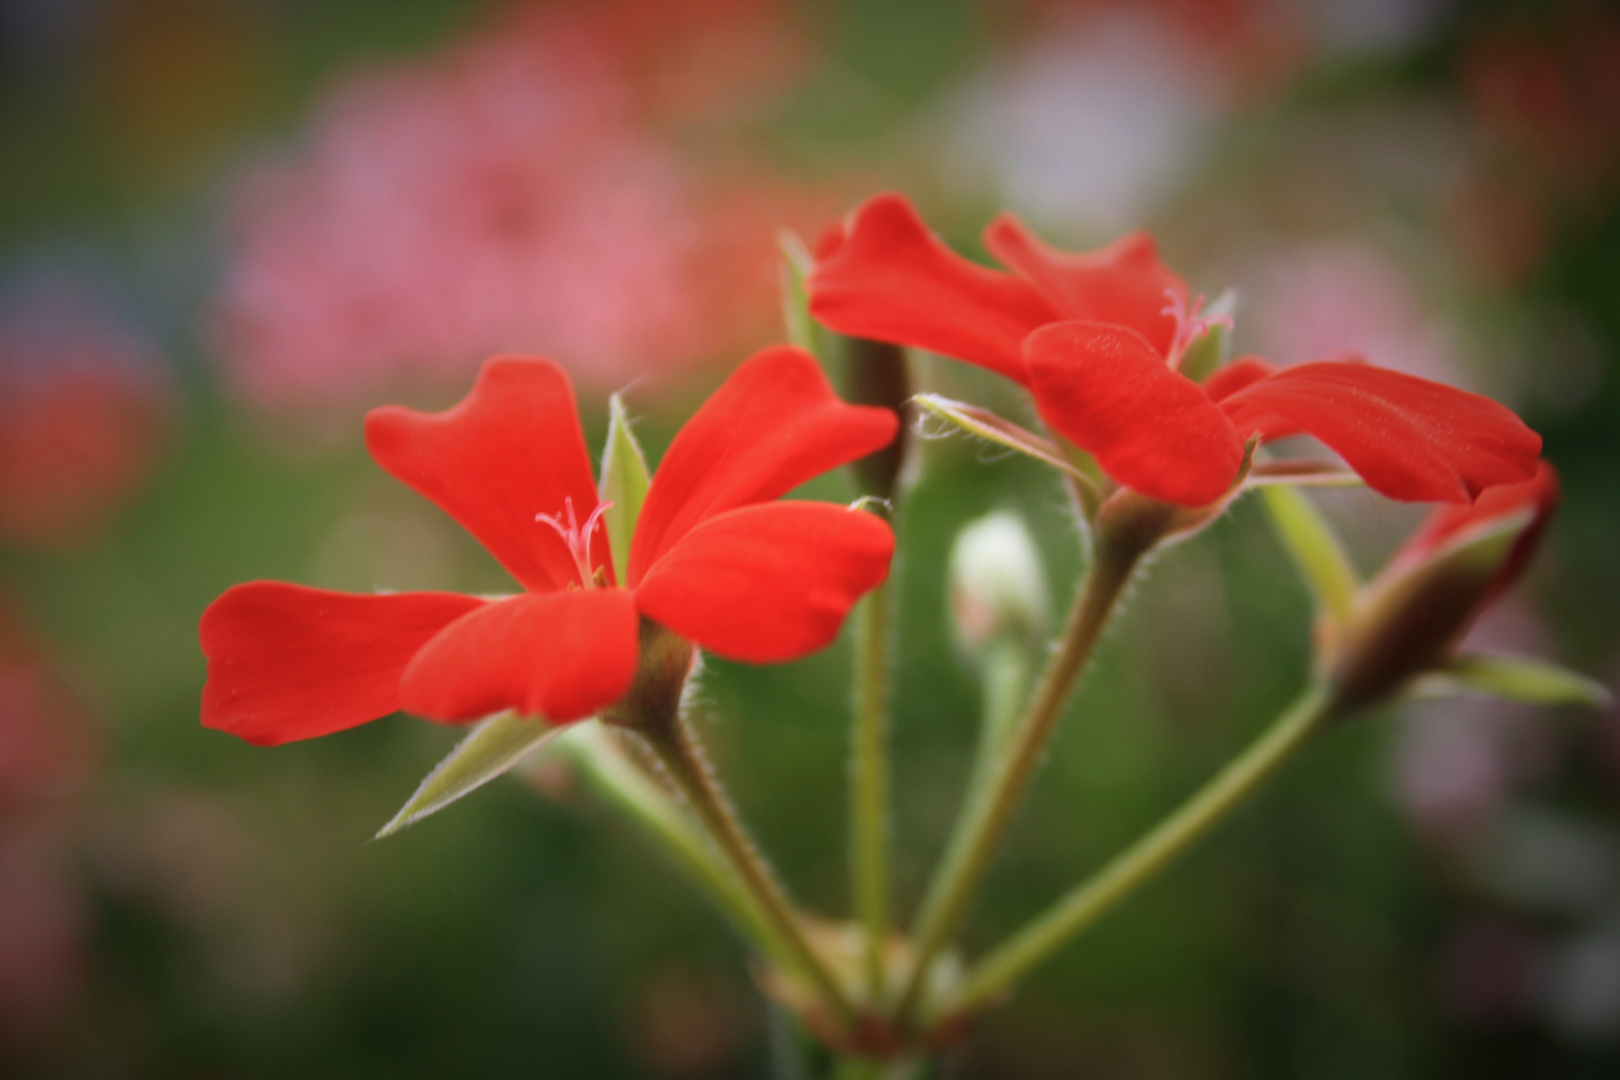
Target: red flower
{"x":1098,"y":339}
{"x":714,"y":559}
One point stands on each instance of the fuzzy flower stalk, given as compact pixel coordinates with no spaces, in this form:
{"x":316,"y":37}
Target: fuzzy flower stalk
{"x":1154,"y":432}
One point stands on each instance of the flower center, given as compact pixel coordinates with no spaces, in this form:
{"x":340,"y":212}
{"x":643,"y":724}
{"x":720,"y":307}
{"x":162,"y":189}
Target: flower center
{"x":1191,"y":324}
{"x":577,"y":536}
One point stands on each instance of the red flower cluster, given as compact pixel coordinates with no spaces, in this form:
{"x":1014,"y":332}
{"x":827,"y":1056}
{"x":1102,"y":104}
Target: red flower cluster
{"x":1098,"y":339}
{"x":714,"y":559}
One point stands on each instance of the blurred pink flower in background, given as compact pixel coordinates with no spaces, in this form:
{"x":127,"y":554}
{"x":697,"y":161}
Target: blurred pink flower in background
{"x":1101,"y":110}
{"x":1322,"y":300}
{"x":83,"y":404}
{"x":517,"y":194}
{"x":47,"y":754}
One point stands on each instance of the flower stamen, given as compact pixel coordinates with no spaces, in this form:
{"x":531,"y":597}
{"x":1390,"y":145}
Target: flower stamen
{"x":1191,"y":324}
{"x":577,"y":536}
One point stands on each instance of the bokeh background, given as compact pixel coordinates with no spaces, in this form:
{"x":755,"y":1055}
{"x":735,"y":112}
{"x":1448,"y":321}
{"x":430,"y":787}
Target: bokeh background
{"x":227,"y":227}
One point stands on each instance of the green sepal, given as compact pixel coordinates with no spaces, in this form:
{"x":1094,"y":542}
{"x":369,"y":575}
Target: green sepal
{"x":802,"y":328}
{"x":986,"y":425}
{"x":1408,"y":620}
{"x":1315,"y":551}
{"x":1513,"y":678}
{"x":492,"y":747}
{"x":624,"y":484}
{"x":1213,"y":347}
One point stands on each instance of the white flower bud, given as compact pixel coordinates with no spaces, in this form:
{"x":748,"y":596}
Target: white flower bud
{"x":998,"y":585}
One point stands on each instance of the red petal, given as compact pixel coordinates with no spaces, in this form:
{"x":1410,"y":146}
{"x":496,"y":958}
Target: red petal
{"x":561,"y":656}
{"x":893,"y":280}
{"x":1245,"y":371}
{"x":286,"y":662}
{"x":1106,"y":390}
{"x":774,"y":424}
{"x":768,"y":583}
{"x":510,"y":450}
{"x":1409,"y":438}
{"x":1123,"y":283}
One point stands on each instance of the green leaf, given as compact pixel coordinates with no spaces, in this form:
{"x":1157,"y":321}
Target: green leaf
{"x":624,"y":483}
{"x":802,"y":328}
{"x":986,"y":425}
{"x":1210,"y":350}
{"x":1315,"y":551}
{"x":1514,"y":678}
{"x":493,"y":746}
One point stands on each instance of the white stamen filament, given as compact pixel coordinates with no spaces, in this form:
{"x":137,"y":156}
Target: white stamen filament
{"x":577,"y":537}
{"x":1190,"y":324}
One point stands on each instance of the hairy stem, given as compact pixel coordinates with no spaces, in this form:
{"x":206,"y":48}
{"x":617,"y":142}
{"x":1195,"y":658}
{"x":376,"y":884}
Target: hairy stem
{"x":984,"y":819}
{"x":1007,"y":671}
{"x":618,"y":775}
{"x":869,"y":784}
{"x":678,"y":750}
{"x":1089,"y":900}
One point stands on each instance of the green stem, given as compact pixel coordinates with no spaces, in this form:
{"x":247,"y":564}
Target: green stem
{"x":968,"y":855}
{"x":869,"y":784}
{"x":679,"y":751}
{"x":1006,"y":673}
{"x":1152,"y":853}
{"x":618,"y":775}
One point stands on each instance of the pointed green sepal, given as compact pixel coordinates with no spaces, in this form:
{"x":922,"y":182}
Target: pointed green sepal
{"x":1213,"y":347}
{"x":624,"y":484}
{"x":1315,"y":551}
{"x":1513,"y":678}
{"x":492,"y":747}
{"x":802,"y":328}
{"x":986,"y":425}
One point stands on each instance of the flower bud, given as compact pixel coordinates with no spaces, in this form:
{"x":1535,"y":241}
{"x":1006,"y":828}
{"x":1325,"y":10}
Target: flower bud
{"x":1409,"y":618}
{"x":998,"y":585}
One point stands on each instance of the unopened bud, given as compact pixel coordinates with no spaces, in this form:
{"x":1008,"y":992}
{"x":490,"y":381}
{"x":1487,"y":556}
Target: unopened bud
{"x":1410,"y":618}
{"x":998,"y":585}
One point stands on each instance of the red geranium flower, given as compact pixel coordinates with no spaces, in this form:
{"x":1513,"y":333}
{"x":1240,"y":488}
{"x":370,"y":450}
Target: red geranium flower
{"x":1098,"y":339}
{"x":714,"y":560}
